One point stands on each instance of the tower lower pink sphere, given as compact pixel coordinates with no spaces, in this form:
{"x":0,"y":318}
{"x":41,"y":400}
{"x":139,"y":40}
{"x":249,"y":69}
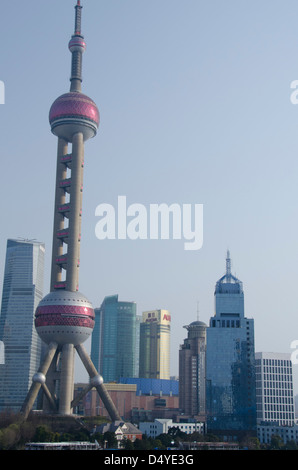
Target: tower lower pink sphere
{"x":64,"y":317}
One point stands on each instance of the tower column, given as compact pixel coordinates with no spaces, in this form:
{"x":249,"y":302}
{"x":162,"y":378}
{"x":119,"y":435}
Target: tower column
{"x":67,"y":379}
{"x":73,"y":252}
{"x":57,"y":249}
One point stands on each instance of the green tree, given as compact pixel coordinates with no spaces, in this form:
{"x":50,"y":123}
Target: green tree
{"x":27,"y":430}
{"x":157,"y":444}
{"x":66,"y":437}
{"x":176,"y":432}
{"x":43,"y":434}
{"x":128,"y":445}
{"x":211,"y":438}
{"x":276,"y":443}
{"x":167,"y":440}
{"x":98,"y":437}
{"x":143,"y":444}
{"x":110,"y":438}
{"x":250,"y":443}
{"x":291,"y":445}
{"x":10,"y":437}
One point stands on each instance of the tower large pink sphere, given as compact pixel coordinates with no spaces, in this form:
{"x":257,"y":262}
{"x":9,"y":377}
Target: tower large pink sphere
{"x":74,"y":112}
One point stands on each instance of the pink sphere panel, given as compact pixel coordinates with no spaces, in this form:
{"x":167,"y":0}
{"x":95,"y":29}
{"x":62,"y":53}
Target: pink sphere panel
{"x":64,"y":315}
{"x":74,"y":104}
{"x":77,"y":43}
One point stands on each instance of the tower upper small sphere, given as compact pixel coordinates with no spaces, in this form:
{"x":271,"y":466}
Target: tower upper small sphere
{"x":77,"y":44}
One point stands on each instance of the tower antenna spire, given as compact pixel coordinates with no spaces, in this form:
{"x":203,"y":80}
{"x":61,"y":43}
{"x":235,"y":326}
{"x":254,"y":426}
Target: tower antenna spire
{"x":78,"y":17}
{"x":77,"y":47}
{"x":228,"y":265}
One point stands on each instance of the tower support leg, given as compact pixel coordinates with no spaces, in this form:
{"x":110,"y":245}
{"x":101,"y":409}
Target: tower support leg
{"x":81,"y":395}
{"x":97,"y":382}
{"x":38,"y":380}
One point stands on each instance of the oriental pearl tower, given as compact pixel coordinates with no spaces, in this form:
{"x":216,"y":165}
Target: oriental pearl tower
{"x":64,"y":319}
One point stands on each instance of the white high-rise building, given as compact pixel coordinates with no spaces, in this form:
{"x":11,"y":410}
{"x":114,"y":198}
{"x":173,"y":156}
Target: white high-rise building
{"x":274,"y":388}
{"x":20,"y":345}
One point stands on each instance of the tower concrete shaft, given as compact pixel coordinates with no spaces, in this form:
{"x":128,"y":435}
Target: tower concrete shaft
{"x":64,"y":319}
{"x":68,"y":234}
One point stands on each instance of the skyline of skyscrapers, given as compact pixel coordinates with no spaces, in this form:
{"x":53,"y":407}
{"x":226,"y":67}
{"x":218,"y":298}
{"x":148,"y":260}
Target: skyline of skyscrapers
{"x":65,"y":318}
{"x":274,"y":399}
{"x":21,"y":346}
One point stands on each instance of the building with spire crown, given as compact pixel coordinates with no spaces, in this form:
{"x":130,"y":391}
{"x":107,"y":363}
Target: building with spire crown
{"x":230,"y":354}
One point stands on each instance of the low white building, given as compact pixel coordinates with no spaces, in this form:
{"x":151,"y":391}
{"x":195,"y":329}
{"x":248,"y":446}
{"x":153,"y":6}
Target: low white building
{"x":162,"y":426}
{"x":274,"y":389}
{"x":121,"y":429}
{"x":287,"y":433}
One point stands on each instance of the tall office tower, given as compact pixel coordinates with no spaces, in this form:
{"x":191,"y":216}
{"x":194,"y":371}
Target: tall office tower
{"x":114,"y":338}
{"x":192,"y":372}
{"x":20,"y":345}
{"x":230,"y":375}
{"x":274,"y":388}
{"x":64,"y":319}
{"x":155,"y":345}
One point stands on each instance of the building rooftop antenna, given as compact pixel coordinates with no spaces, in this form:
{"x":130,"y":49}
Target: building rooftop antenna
{"x":228,"y":265}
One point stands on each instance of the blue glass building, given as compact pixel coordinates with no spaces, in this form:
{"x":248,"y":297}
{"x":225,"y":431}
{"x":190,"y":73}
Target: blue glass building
{"x":113,"y":346}
{"x":230,"y":374}
{"x":153,"y":386}
{"x":20,"y":344}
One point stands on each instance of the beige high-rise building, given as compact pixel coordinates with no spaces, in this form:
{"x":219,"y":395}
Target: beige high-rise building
{"x":155,"y":345}
{"x":192,"y":372}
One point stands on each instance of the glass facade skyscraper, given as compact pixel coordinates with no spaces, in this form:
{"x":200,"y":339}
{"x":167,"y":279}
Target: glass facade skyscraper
{"x":21,"y":346}
{"x":113,"y":346}
{"x":230,"y":377}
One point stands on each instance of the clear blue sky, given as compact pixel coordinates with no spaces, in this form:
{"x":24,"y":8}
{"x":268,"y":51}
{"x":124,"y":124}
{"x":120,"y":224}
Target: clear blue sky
{"x":194,"y":98}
